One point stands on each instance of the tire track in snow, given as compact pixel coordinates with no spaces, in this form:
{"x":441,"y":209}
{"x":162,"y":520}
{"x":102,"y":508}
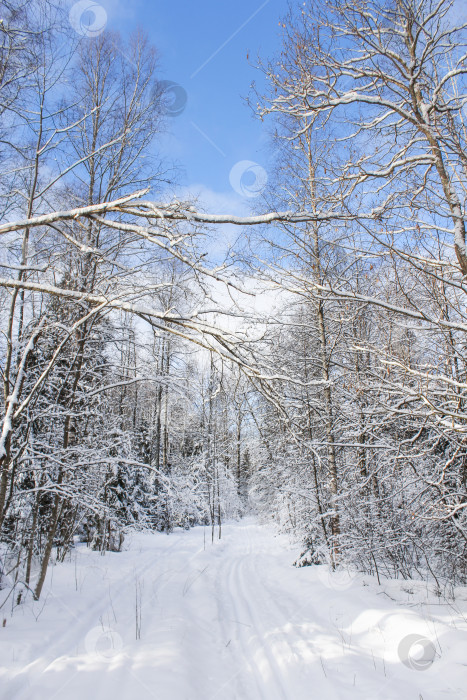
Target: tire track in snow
{"x":291,"y":642}
{"x":242,"y":634}
{"x":283,"y":637}
{"x":261,"y":634}
{"x":252,"y":630}
{"x":286,"y":650}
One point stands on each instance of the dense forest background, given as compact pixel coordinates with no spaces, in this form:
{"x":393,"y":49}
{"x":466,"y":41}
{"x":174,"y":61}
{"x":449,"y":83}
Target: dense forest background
{"x":142,"y":386}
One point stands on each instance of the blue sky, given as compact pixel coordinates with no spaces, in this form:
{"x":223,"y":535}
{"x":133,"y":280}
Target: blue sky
{"x":209,"y":48}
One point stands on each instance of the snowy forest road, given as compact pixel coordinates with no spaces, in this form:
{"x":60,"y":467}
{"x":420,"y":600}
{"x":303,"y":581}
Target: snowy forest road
{"x":179,"y":618}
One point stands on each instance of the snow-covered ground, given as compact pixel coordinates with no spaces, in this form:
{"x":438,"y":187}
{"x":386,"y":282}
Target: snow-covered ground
{"x":233,"y":620}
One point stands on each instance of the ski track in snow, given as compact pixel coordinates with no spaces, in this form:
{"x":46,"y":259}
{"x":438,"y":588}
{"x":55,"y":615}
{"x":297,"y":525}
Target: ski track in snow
{"x":228,"y":621}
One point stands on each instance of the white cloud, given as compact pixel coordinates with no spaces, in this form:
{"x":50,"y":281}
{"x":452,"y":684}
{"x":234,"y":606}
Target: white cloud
{"x":246,"y":312}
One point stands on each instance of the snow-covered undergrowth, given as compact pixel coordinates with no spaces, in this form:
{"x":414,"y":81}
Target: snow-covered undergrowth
{"x":176,"y":618}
